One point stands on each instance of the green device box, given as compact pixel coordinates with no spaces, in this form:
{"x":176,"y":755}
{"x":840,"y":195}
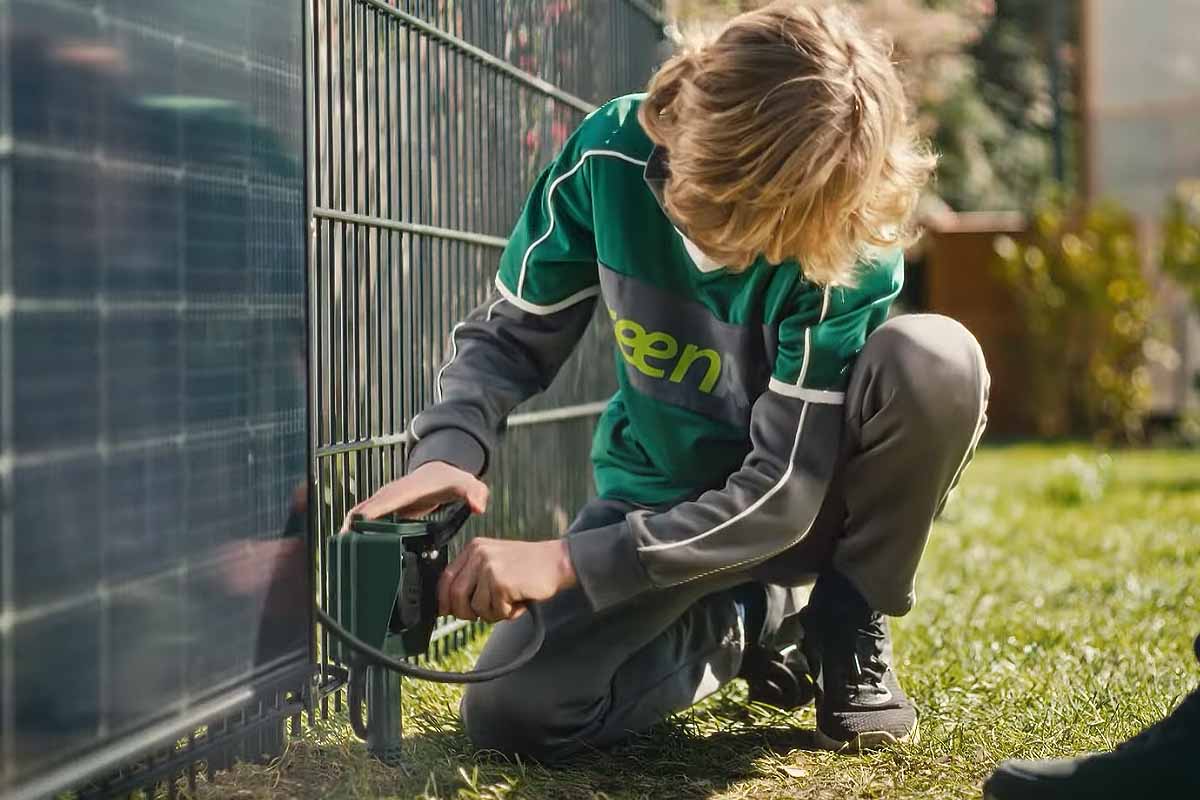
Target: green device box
{"x":382,"y":583}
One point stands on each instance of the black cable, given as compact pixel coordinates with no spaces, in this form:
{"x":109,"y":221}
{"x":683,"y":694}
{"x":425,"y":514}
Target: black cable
{"x":379,"y":658}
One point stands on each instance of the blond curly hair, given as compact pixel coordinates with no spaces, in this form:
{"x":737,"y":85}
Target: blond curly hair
{"x":789,"y":136}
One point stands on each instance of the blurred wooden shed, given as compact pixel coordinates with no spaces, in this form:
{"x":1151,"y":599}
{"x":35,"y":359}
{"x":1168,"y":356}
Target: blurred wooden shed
{"x":954,"y":275}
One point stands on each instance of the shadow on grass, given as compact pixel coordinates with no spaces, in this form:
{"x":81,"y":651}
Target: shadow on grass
{"x":686,"y":757}
{"x":704,"y":752}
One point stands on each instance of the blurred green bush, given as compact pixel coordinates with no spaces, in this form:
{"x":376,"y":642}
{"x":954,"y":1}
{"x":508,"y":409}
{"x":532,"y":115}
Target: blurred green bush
{"x":1085,"y":307}
{"x":1074,"y":479}
{"x":1181,"y":238}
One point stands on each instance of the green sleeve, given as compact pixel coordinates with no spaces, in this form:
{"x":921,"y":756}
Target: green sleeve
{"x":550,"y":261}
{"x":819,"y":342}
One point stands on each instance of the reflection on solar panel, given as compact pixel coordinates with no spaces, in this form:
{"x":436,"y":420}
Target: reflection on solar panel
{"x":153,"y":410}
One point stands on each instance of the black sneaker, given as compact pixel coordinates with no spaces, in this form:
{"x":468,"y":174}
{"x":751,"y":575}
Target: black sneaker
{"x":860,"y":705}
{"x":777,"y":672}
{"x":1158,"y":762}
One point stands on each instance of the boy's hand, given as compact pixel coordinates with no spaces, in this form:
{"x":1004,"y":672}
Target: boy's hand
{"x":492,"y":578}
{"x":422,"y":491}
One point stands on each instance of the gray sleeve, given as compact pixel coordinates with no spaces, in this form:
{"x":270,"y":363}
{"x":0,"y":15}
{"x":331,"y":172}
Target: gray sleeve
{"x":766,"y":506}
{"x":500,"y":355}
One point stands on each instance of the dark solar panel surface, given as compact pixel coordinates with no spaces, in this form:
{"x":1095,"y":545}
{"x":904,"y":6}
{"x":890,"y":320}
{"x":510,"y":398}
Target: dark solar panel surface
{"x":152,"y":397}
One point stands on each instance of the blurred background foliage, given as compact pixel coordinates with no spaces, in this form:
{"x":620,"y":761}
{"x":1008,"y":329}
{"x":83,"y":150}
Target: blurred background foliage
{"x":979,"y":73}
{"x":1085,"y":307}
{"x":1181,"y":238}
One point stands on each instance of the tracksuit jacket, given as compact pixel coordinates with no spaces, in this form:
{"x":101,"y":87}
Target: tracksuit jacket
{"x":730,"y":385}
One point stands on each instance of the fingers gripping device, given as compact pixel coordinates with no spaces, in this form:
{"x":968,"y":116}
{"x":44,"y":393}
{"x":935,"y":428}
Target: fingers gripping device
{"x":382,"y":578}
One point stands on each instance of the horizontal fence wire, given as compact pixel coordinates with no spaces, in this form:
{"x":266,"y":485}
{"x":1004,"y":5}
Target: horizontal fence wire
{"x":428,"y":121}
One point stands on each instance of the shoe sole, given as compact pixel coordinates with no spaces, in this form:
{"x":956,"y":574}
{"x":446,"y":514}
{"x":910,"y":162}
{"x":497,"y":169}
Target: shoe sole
{"x":866,"y":741}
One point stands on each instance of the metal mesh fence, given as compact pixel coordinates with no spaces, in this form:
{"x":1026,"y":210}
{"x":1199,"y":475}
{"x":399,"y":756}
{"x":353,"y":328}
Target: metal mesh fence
{"x":429,"y":119}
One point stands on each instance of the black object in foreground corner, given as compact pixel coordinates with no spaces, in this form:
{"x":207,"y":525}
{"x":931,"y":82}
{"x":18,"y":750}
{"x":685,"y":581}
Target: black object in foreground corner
{"x":1160,"y":762}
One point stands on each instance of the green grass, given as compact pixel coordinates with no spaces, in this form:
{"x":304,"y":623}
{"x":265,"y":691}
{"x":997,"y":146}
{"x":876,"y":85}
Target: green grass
{"x":1056,"y":609}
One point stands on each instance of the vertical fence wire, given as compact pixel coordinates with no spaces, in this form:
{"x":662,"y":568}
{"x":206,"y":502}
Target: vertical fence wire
{"x":429,"y":120}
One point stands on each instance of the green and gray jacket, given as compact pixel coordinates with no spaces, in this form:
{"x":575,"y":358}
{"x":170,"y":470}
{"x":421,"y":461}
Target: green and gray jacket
{"x":728,"y":411}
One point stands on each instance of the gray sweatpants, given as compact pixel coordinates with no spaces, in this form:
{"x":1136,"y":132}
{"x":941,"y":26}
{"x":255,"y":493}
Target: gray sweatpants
{"x":915,"y":409}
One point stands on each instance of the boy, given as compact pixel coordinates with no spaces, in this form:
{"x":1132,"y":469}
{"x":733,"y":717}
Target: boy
{"x":742,"y":223}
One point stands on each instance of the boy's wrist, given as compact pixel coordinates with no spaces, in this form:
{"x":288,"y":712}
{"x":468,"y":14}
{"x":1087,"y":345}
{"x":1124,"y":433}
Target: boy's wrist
{"x":566,"y":570}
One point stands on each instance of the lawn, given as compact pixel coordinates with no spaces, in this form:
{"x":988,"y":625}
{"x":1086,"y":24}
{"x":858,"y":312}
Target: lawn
{"x":1057,"y":605}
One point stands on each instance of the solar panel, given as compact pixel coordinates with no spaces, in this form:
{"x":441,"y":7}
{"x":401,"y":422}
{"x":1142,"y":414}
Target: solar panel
{"x":152,"y":366}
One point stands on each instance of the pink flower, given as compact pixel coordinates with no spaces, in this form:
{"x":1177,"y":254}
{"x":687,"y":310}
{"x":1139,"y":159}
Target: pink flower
{"x":556,"y":10}
{"x":558,"y":132}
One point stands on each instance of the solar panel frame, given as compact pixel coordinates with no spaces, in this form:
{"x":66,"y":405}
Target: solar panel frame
{"x":154,"y":572}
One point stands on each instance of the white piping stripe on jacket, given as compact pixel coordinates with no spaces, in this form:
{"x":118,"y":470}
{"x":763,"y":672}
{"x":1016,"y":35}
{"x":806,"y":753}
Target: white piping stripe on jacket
{"x":750,"y":509}
{"x":525,"y":305}
{"x":811,"y":395}
{"x":787,"y":473}
{"x":808,"y":338}
{"x":492,"y":308}
{"x":550,"y":205}
{"x":516,"y":300}
{"x":541,"y":311}
{"x":437,"y":386}
{"x":807,"y":350}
